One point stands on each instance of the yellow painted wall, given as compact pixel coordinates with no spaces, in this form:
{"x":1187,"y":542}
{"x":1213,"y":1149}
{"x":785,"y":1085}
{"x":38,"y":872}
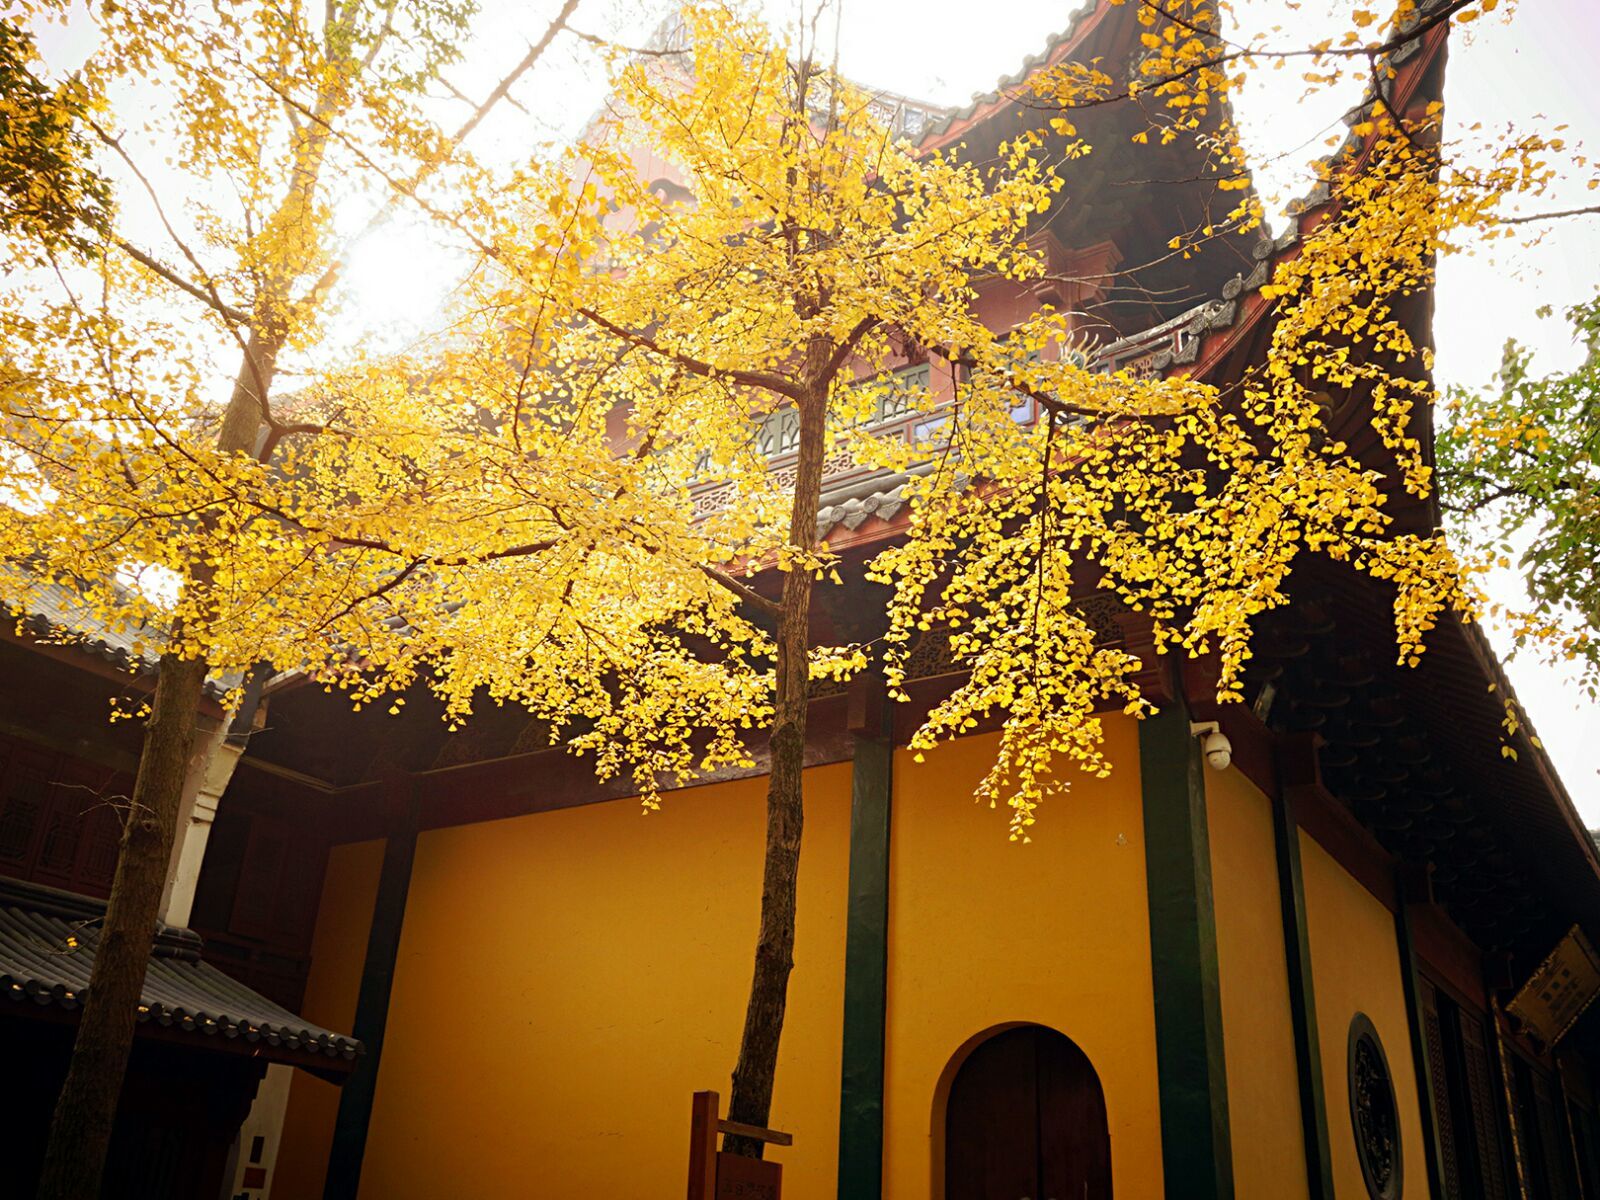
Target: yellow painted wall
{"x":1258,"y":1037}
{"x":567,"y":979}
{"x":1356,"y":968}
{"x":984,"y":931}
{"x":338,"y":951}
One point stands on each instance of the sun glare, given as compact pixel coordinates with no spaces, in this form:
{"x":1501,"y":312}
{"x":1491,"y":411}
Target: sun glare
{"x":397,"y":286}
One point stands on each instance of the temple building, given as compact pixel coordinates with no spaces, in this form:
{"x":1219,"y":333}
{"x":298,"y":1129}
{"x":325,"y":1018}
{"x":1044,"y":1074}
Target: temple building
{"x":1347,"y":958}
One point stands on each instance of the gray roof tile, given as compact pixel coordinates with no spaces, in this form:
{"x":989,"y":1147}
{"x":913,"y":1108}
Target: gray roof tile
{"x":48,"y":940}
{"x":54,"y":614}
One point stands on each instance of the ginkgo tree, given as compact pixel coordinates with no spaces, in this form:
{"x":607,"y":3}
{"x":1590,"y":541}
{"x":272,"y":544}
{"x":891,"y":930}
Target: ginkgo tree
{"x":50,"y":195}
{"x":815,"y":254}
{"x":238,"y":133}
{"x":510,"y":511}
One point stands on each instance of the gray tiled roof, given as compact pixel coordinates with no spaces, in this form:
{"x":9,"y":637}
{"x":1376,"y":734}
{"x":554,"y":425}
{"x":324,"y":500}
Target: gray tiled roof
{"x":48,"y":940}
{"x":54,"y":614}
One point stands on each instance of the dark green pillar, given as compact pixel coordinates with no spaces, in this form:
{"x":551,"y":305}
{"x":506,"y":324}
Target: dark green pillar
{"x":1197,"y":1154}
{"x":372,"y":1002}
{"x":866,"y":962}
{"x":1411,"y":885}
{"x":1294,"y":758}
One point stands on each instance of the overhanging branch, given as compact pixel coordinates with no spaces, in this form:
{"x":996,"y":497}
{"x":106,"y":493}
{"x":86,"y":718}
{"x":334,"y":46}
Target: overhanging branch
{"x":758,"y":379}
{"x":207,"y":297}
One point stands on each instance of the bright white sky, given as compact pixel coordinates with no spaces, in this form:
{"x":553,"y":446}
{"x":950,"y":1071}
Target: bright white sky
{"x":1536,"y":71}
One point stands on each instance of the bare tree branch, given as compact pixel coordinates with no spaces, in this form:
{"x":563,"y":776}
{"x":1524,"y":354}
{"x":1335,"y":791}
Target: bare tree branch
{"x":847,"y":347}
{"x":758,"y":379}
{"x":199,"y":293}
{"x":748,"y":594}
{"x":1589,"y":211}
{"x":206,"y":290}
{"x":644,"y":51}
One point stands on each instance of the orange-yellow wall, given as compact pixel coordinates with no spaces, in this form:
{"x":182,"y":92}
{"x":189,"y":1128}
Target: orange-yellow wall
{"x":338,"y":951}
{"x":1258,"y":1037}
{"x":1356,"y":968}
{"x":567,"y":979}
{"x":984,"y":931}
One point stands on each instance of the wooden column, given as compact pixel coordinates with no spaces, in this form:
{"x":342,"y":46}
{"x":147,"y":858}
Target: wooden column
{"x":1297,"y":767}
{"x":1197,"y":1152}
{"x":372,"y":1003}
{"x":1411,"y":886}
{"x":703,"y":1114}
{"x":866,"y":952}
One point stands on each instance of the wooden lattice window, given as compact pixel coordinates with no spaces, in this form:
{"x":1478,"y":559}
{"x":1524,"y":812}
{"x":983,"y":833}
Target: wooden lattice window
{"x":59,"y":818}
{"x":1468,"y":1114}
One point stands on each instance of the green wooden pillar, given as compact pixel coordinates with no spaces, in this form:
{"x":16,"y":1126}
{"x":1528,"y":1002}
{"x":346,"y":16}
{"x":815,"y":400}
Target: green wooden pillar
{"x":1296,"y":759}
{"x":372,"y":1003}
{"x":1411,"y":886}
{"x":1197,"y":1153}
{"x":866,"y":963}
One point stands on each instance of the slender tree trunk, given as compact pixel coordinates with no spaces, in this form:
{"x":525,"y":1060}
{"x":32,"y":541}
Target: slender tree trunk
{"x":80,"y":1130}
{"x":751,"y":1100}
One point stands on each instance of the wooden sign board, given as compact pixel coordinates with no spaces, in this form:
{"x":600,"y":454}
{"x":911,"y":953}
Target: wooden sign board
{"x":717,"y":1175}
{"x":1558,"y":992}
{"x":740,"y":1178}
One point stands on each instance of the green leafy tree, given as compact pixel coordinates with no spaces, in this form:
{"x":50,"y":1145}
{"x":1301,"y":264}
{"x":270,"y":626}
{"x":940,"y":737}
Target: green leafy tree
{"x":1519,"y":471}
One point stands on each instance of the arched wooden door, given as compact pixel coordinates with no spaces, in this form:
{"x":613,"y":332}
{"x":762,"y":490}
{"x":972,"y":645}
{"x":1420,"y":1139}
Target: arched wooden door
{"x":1026,"y":1120}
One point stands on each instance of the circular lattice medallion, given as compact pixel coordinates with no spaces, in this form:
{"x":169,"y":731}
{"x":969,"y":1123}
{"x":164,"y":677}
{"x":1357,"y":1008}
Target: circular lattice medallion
{"x":1374,"y":1115}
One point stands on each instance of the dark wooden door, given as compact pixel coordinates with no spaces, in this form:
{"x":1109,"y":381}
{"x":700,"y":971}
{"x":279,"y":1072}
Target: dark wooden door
{"x":1026,"y":1120}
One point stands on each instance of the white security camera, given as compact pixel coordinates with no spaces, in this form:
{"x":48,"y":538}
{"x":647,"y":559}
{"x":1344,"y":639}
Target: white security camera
{"x":1216,"y":746}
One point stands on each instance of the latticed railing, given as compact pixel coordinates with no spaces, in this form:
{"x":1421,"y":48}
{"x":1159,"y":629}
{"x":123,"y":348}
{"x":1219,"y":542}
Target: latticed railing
{"x":1139,"y":353}
{"x":895,"y":415}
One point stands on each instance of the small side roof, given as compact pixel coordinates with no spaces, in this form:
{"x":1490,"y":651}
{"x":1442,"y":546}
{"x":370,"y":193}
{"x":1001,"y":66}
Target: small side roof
{"x":52,"y":614}
{"x":48,"y":940}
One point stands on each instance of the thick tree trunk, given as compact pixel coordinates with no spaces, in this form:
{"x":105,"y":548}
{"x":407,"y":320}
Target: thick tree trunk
{"x":753,"y":1076}
{"x":81,"y":1130}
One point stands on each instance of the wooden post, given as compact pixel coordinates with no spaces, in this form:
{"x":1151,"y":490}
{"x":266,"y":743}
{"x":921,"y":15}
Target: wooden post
{"x":343,"y":1180}
{"x":1411,"y":886}
{"x":866,"y":945}
{"x":703,"y":1146}
{"x":1196,"y":1145}
{"x":1296,"y":765}
{"x":718,"y":1175}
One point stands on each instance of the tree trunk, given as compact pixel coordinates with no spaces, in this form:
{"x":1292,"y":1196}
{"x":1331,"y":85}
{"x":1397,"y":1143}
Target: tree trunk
{"x":751,"y":1099}
{"x":80,"y":1132}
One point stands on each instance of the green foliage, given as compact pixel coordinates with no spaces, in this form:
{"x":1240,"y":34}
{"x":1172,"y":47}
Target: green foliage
{"x":1519,"y":470}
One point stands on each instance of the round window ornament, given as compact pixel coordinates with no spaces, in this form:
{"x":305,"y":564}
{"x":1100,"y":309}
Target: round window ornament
{"x":1374,"y":1114}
